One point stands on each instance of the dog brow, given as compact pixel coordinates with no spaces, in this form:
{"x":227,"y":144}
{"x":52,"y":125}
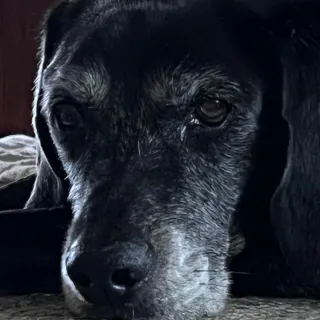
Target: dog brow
{"x":86,"y":84}
{"x":181,"y":84}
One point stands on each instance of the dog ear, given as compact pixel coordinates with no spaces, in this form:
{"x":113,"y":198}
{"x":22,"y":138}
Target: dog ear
{"x":295,"y":205}
{"x":293,"y":34}
{"x":51,"y":184}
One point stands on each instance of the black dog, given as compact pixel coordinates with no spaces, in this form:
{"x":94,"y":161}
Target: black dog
{"x":185,"y":136}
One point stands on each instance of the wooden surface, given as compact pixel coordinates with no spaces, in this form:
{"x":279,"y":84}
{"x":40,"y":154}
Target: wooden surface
{"x":19,"y":21}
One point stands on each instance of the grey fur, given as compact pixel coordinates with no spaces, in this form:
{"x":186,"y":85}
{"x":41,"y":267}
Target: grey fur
{"x":136,"y":175}
{"x":179,"y":228}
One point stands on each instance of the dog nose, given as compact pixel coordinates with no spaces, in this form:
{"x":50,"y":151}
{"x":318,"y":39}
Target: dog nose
{"x":112,"y":272}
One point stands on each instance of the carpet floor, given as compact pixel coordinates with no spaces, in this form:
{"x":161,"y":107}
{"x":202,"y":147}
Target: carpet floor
{"x":47,"y":307}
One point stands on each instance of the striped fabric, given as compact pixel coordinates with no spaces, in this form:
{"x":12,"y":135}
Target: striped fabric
{"x":17,"y":157}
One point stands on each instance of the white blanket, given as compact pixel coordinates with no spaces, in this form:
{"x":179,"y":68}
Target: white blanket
{"x":17,"y":158}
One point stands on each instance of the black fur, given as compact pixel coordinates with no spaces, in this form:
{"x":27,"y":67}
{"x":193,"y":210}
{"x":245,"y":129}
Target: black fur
{"x":140,"y":166}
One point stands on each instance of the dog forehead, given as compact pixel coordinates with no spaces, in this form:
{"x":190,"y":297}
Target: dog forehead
{"x":141,"y":45}
{"x":119,"y":26}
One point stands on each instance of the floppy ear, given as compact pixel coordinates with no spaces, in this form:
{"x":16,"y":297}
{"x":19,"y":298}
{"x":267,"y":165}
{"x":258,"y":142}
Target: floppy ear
{"x":50,"y":187}
{"x":289,"y":264}
{"x":295,"y":208}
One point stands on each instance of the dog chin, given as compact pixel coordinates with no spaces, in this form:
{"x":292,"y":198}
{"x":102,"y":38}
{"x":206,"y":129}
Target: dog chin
{"x":84,"y":310}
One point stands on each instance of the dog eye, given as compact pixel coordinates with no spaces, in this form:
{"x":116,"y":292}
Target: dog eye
{"x":213,"y":112}
{"x":67,"y":116}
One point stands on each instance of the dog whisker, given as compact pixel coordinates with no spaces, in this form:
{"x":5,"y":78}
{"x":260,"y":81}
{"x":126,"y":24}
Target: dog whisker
{"x":215,"y":271}
{"x":139,"y":150}
{"x":61,"y":227}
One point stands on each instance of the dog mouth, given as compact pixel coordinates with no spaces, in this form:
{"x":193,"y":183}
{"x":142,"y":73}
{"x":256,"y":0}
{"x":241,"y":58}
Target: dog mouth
{"x":183,"y":283}
{"x":179,"y":302}
{"x":82,"y":309}
{"x":125,"y":313}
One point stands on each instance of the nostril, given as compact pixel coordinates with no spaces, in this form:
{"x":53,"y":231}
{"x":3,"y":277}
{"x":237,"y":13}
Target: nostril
{"x":81,"y":279}
{"x":124,"y":278}
{"x":79,"y":269}
{"x":84,"y":281}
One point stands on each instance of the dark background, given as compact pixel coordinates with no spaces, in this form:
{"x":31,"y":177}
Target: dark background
{"x":19,"y":24}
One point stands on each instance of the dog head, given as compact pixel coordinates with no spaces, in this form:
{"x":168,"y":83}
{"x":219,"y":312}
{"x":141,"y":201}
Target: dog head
{"x":147,"y":114}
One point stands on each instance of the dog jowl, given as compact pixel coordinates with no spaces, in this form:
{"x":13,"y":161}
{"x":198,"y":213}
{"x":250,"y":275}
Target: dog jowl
{"x":151,"y":109}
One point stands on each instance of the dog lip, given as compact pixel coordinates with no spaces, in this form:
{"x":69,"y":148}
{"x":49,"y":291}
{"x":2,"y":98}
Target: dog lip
{"x":124,"y":313}
{"x":71,"y":285}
